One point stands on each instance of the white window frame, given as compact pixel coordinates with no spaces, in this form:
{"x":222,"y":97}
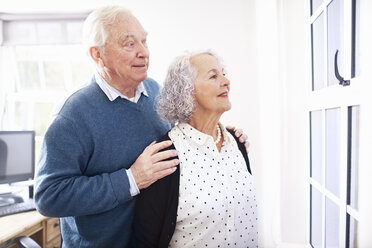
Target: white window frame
{"x":336,"y":96}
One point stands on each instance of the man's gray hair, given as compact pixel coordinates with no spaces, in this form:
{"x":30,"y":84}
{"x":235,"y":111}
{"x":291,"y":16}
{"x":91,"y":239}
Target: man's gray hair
{"x":95,"y":26}
{"x":176,"y":102}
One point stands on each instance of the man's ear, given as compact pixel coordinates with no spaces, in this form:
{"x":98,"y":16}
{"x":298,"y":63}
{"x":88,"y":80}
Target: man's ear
{"x":95,"y":54}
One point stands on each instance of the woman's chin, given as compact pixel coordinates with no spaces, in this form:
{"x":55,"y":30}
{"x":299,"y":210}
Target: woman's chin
{"x":228,"y":107}
{"x":225,"y":109}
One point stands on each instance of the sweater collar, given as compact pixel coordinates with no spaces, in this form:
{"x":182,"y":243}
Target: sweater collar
{"x":113,"y":93}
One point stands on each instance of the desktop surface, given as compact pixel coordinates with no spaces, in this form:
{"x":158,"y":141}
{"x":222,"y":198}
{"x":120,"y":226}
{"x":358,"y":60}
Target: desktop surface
{"x":44,"y":230}
{"x":18,"y":224}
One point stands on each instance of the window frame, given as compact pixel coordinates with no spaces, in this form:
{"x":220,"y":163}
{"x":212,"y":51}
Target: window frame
{"x":335,"y":96}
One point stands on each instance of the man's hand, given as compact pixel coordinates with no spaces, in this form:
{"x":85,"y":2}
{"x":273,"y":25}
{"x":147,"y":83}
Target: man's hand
{"x":243,"y":138}
{"x":149,"y":166}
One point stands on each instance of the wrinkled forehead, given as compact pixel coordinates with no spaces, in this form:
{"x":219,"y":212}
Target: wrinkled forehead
{"x":126,"y":26}
{"x":205,"y":62}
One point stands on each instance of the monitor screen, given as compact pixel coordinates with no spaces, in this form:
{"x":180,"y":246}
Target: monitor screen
{"x":17,"y":156}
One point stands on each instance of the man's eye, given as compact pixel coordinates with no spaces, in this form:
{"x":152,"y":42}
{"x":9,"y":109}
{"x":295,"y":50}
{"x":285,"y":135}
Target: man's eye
{"x":129,"y":44}
{"x":213,"y":76}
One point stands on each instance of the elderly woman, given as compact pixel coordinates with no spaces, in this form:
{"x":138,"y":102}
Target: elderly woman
{"x":210,"y":200}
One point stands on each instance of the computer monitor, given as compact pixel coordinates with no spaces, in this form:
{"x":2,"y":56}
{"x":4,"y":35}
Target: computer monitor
{"x":17,"y":156}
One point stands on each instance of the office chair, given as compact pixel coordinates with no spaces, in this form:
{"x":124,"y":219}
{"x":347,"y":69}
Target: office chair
{"x":20,"y":242}
{"x":27,"y":242}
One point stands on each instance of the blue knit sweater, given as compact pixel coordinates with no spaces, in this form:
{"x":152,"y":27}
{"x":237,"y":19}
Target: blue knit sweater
{"x":82,"y":167}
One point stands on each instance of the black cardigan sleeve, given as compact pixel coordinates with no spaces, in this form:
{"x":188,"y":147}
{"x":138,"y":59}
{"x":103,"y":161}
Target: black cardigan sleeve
{"x":156,"y":211}
{"x":242,"y":149}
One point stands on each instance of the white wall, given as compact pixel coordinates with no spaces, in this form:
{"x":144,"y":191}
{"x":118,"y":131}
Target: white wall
{"x":295,"y":83}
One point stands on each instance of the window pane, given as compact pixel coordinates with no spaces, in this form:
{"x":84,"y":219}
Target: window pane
{"x":353,"y":156}
{"x":352,"y":232}
{"x":332,"y":224}
{"x":333,"y":150}
{"x":315,"y":5}
{"x":318,"y":52}
{"x":335,"y":24}
{"x":41,"y":116}
{"x":29,"y":77}
{"x":316,"y":218}
{"x":316,"y":145}
{"x":44,"y":73}
{"x":82,"y":72}
{"x":54,"y":75}
{"x":21,"y":110}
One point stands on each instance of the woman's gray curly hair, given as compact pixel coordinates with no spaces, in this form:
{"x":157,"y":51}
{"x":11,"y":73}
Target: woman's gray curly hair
{"x":176,"y":99}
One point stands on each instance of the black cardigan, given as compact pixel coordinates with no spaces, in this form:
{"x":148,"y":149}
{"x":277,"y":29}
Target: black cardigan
{"x":156,"y":207}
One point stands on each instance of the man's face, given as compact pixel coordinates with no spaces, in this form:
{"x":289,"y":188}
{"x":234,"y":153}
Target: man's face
{"x":125,"y":54}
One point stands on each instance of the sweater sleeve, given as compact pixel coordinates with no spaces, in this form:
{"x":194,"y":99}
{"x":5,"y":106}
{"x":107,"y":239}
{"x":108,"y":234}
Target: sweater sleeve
{"x":61,"y":188}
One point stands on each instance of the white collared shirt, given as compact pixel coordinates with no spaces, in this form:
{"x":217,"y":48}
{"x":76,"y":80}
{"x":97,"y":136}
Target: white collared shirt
{"x":112,"y":94}
{"x":217,"y":201}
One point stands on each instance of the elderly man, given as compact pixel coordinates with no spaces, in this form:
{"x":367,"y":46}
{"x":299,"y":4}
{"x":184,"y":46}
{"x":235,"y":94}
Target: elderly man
{"x":96,"y":155}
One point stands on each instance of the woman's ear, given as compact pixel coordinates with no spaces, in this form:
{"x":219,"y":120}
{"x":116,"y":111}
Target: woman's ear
{"x":95,"y":54}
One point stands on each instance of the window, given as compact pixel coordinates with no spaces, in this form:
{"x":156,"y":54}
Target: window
{"x":41,"y":62}
{"x":334,"y":114}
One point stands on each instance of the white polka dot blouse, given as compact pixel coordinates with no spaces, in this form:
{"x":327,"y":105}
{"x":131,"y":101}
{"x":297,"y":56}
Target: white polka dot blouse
{"x":217,"y":201}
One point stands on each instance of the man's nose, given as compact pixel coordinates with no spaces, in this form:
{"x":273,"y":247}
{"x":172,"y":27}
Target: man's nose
{"x":143,"y":51}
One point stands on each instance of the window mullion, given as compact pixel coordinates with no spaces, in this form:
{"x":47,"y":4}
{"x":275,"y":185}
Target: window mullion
{"x":323,"y":178}
{"x":343,"y":173}
{"x":15,"y":68}
{"x":42,"y":74}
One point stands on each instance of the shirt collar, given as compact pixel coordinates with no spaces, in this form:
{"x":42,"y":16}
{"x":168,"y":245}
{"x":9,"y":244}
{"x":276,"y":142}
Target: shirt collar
{"x":201,"y":138}
{"x":113,"y":93}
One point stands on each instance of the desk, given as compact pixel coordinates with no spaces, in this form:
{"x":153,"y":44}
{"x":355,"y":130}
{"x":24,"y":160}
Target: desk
{"x":44,"y":230}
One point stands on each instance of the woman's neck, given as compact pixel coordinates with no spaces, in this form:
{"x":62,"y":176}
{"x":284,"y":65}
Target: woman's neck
{"x":206,"y":124}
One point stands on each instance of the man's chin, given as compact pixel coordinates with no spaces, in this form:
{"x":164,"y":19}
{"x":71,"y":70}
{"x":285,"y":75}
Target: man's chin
{"x":142,"y":77}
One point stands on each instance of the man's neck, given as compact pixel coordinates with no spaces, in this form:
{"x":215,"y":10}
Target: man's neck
{"x":129,"y":91}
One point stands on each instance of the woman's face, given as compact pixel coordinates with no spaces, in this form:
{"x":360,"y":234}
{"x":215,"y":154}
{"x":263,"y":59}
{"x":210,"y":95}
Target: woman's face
{"x":211,"y":86}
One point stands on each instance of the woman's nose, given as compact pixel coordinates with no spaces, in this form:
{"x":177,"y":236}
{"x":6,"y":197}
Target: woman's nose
{"x":225,"y":81}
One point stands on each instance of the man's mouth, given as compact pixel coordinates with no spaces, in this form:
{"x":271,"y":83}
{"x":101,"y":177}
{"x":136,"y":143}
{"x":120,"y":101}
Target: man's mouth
{"x":140,"y":66}
{"x":224,"y":94}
